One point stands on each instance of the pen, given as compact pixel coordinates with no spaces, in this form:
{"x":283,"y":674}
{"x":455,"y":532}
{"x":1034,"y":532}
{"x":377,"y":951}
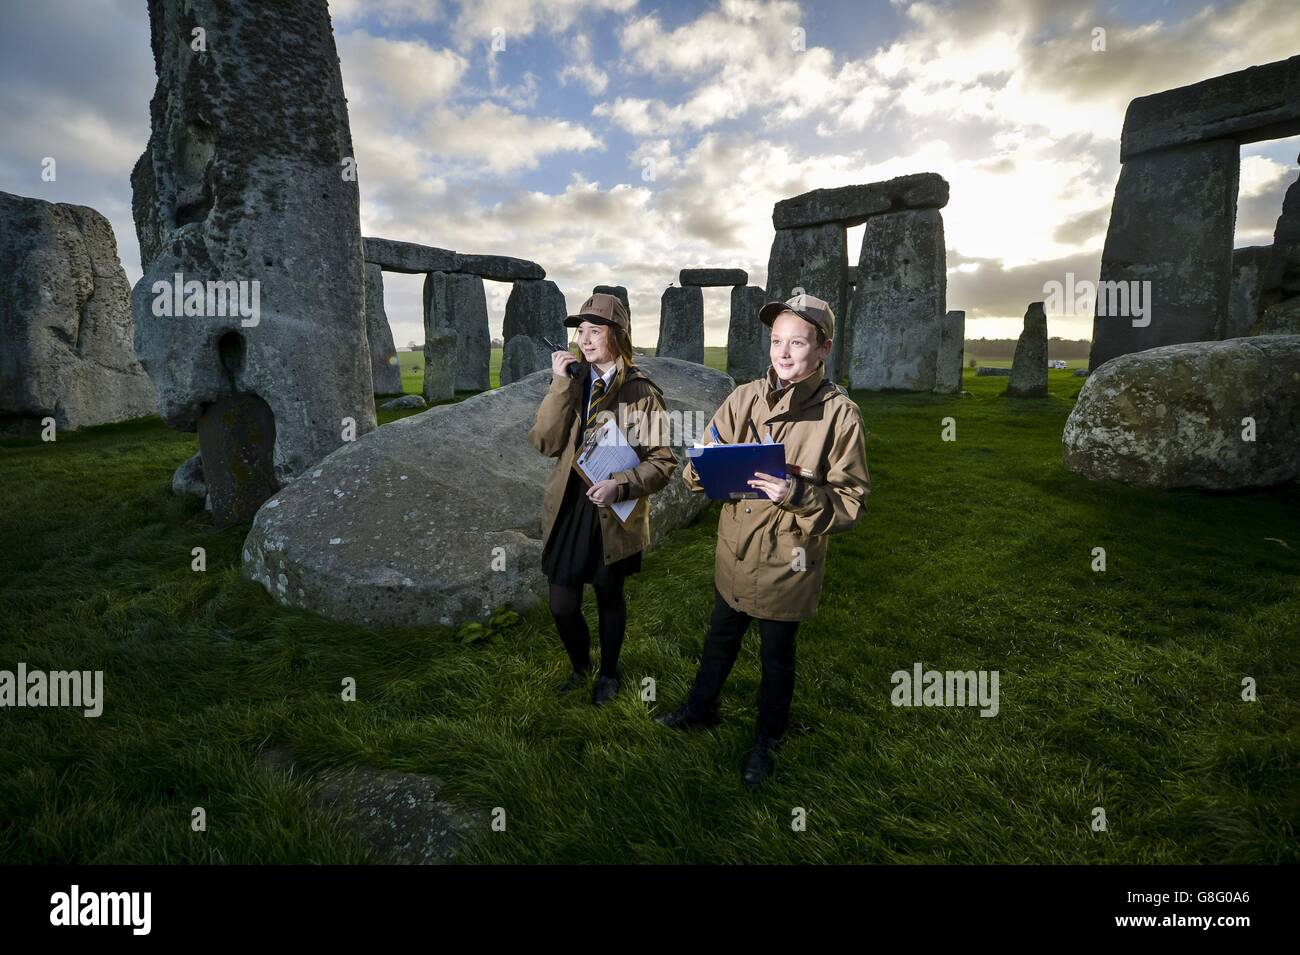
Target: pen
{"x":717,"y":438}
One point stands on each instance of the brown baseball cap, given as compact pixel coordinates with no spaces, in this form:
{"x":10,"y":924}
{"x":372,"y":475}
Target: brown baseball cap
{"x":601,"y":309}
{"x":808,"y":307}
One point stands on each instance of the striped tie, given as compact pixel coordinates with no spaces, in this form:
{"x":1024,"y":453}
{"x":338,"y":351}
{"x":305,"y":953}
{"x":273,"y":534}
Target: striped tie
{"x":597,"y":392}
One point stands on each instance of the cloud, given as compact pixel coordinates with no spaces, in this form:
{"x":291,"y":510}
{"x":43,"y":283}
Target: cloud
{"x":406,"y":74}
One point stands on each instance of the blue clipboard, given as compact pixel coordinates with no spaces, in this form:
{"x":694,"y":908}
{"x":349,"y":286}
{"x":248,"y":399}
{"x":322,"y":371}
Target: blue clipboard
{"x":725,"y":469}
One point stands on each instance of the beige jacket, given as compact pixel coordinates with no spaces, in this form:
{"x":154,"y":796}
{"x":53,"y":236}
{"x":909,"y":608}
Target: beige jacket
{"x":556,"y":432}
{"x":770,"y":557}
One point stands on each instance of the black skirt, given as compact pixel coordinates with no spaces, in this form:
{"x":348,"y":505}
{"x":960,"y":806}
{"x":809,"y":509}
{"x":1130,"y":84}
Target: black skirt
{"x":575,"y":553}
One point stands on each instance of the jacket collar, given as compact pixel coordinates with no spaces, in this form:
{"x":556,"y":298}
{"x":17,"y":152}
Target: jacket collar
{"x":801,"y":393}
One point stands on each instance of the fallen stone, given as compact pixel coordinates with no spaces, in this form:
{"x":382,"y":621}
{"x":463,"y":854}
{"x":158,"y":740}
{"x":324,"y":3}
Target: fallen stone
{"x":707,"y":278}
{"x":814,"y":260}
{"x":402,"y":818}
{"x":1029,"y":367}
{"x":404,"y":403}
{"x":898,"y":306}
{"x":65,"y":321}
{"x":1177,"y":416}
{"x":984,"y":371}
{"x":748,"y":339}
{"x":851,"y":205}
{"x":408,"y":525}
{"x":1260,"y":102}
{"x":499,"y":268}
{"x":410,"y":257}
{"x":1081,"y":373}
{"x":681,"y":324}
{"x":952,"y":352}
{"x":240,"y":192}
{"x":458,"y":302}
{"x":385,"y":368}
{"x":535,"y":310}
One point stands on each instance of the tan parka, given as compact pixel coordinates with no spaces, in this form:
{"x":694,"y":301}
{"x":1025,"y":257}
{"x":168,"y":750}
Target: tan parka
{"x":556,"y":433}
{"x":770,"y":557}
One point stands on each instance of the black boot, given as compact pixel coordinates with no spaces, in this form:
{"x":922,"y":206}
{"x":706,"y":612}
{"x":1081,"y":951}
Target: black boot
{"x":685,"y":718}
{"x":759,"y":764}
{"x":605,"y":691}
{"x":575,"y":679}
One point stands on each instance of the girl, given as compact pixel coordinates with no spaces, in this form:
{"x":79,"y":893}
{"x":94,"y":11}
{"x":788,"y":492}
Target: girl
{"x":585,"y":542}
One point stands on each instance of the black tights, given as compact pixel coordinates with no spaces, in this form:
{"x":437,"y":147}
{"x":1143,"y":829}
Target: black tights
{"x":566,"y":608}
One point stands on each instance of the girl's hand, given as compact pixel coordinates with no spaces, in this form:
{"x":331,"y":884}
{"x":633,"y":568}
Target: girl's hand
{"x":560,"y":360}
{"x":773,"y":487}
{"x":603,"y":493}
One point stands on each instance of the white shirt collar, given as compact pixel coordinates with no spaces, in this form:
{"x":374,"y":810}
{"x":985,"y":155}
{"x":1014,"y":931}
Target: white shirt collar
{"x":608,"y":376}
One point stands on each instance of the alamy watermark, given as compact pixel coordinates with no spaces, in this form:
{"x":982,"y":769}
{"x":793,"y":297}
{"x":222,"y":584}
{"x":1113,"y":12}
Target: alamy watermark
{"x":1113,"y":299}
{"x":77,"y":688}
{"x":923,"y":687}
{"x":210,"y":299}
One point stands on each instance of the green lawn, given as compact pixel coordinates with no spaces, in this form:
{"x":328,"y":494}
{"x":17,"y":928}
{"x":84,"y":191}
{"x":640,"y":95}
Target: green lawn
{"x":1118,"y":689}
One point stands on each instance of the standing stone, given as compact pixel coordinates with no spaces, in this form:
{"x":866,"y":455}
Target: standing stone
{"x":898,"y":307}
{"x":535,"y":310}
{"x":1281,"y":319}
{"x":1281,"y":277}
{"x":814,"y":259}
{"x":952,"y":352}
{"x":1248,"y":268}
{"x":748,"y":339}
{"x":618,"y":291}
{"x":385,"y":369}
{"x":1029,"y":367}
{"x":242,"y":186}
{"x":65,"y":321}
{"x":681,"y":324}
{"x":458,"y":302}
{"x":1171,"y":228}
{"x":440,"y":365}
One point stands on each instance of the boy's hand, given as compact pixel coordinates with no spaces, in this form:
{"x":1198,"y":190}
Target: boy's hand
{"x":603,"y":493}
{"x":773,"y":487}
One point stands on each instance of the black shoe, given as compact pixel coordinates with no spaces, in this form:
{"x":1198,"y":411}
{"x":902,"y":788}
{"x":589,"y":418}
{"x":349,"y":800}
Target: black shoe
{"x":576,"y":679}
{"x":685,"y":718}
{"x":760,"y":763}
{"x":605,"y":690}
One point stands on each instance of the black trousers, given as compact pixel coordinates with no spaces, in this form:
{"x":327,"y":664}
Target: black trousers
{"x":722,"y":644}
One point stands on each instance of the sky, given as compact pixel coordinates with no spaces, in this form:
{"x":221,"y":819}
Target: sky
{"x":619,"y":141}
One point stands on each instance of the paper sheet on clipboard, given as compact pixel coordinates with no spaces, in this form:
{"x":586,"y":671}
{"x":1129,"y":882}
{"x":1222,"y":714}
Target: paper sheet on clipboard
{"x":605,"y":453}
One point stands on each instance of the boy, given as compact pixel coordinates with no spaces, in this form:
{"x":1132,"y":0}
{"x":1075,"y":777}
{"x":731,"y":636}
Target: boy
{"x":771,"y":550}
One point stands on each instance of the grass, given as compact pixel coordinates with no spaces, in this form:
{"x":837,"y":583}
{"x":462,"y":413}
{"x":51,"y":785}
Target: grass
{"x":1118,"y":689}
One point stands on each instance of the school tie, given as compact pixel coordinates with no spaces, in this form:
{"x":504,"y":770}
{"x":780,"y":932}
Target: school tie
{"x":597,"y":392}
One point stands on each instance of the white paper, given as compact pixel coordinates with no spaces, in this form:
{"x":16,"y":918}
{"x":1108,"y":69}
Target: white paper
{"x":609,"y":454}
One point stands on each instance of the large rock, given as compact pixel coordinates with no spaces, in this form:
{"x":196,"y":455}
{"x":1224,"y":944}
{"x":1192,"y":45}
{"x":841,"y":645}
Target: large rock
{"x":436,"y":519}
{"x":1175,"y":416}
{"x":1280,"y":279}
{"x":458,"y":302}
{"x":814,"y":260}
{"x":709,"y":278}
{"x":535,"y":310}
{"x":241,"y":193}
{"x":499,"y":268}
{"x":681,"y":324}
{"x":852,"y":205}
{"x":65,"y":320}
{"x":409,"y":257}
{"x":385,"y":369}
{"x":1281,"y":319}
{"x":898,"y":306}
{"x":1169,"y":240}
{"x":1260,"y":102}
{"x":748,"y":339}
{"x":952,"y":352}
{"x":1029,"y":366}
